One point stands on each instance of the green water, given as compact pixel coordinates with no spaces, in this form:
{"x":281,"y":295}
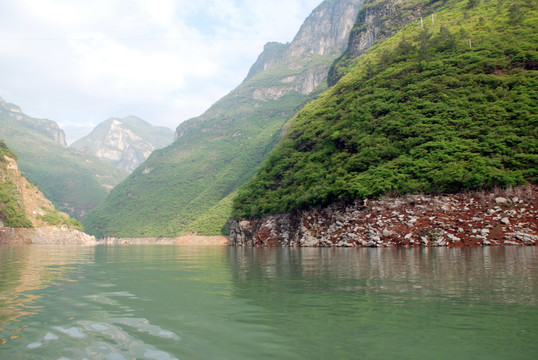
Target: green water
{"x":165,"y":302}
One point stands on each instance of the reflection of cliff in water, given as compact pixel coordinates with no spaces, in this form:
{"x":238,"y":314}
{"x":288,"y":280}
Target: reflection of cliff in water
{"x":472,"y":274}
{"x":25,"y":269}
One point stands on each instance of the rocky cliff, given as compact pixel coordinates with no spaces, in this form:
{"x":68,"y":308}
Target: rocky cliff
{"x":49,"y":226}
{"x":125,"y":143}
{"x":379,"y":20}
{"x":504,"y":217}
{"x":302,"y":65}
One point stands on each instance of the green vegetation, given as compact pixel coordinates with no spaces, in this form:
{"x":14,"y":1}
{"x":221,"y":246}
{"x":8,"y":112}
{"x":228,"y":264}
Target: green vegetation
{"x":5,"y":151}
{"x":75,"y":182}
{"x":11,"y":210}
{"x":185,"y":187}
{"x":445,"y":108}
{"x":53,"y":217}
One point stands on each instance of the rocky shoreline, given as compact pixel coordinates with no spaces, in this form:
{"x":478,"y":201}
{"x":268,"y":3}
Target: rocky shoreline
{"x":45,"y":235}
{"x":496,"y":218}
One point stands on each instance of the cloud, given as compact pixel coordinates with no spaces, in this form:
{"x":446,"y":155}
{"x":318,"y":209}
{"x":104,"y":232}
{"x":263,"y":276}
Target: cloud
{"x":80,"y":62}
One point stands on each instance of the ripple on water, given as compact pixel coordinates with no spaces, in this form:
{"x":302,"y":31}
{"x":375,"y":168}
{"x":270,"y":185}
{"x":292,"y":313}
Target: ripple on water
{"x":107,"y":340}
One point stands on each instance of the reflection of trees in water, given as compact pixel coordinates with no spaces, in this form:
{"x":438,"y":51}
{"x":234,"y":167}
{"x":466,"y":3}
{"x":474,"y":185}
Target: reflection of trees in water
{"x":25,"y":269}
{"x":466,"y":274}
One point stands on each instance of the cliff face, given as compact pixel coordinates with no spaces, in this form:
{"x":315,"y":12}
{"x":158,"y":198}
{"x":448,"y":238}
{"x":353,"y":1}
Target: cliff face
{"x":46,"y":127}
{"x":125,"y":143}
{"x":326,"y":30}
{"x":302,"y":65}
{"x":41,"y":212}
{"x":477,"y":219}
{"x":378,"y":20}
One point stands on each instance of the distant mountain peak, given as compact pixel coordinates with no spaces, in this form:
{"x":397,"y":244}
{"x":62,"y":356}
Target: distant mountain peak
{"x":124,"y":142}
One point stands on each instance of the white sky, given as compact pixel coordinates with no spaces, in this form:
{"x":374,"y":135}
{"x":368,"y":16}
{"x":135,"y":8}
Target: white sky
{"x":80,"y":62}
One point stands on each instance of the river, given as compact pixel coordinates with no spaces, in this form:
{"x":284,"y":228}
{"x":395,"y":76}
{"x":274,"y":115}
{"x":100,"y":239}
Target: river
{"x":218,"y":302}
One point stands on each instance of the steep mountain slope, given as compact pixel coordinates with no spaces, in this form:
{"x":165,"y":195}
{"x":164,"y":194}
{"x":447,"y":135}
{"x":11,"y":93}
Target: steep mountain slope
{"x":125,"y":143}
{"x":75,"y":182}
{"x":26,"y":216}
{"x":179,"y":187}
{"x":445,"y":107}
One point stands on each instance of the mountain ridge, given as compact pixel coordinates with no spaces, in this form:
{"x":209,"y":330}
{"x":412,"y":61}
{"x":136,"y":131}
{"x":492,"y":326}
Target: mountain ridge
{"x":75,"y":182}
{"x":124,"y":142}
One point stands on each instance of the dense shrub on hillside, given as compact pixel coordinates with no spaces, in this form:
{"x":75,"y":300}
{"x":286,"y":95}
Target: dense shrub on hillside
{"x":11,"y":212}
{"x":445,"y":108}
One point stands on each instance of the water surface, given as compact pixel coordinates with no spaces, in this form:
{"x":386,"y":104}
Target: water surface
{"x":184,"y":302}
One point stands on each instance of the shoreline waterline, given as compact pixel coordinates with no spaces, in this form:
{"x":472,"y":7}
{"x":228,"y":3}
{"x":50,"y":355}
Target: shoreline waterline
{"x":194,"y":240}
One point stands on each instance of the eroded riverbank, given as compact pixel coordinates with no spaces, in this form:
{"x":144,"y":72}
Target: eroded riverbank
{"x":502,"y":217}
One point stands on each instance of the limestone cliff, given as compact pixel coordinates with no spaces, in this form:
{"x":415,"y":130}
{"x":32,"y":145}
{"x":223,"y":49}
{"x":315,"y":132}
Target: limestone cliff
{"x":378,"y":20}
{"x":49,"y":226}
{"x":125,"y":143}
{"x":302,"y":65}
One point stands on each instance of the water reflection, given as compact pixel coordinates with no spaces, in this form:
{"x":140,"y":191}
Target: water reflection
{"x":25,"y":269}
{"x":168,"y":302}
{"x":502,"y":274}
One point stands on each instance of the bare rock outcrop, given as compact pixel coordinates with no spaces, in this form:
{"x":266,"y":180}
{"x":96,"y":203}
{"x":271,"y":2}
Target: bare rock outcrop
{"x":504,"y":217}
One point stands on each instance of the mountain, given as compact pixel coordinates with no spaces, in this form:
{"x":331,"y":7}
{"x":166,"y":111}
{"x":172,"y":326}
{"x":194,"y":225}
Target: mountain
{"x":447,"y":105}
{"x":125,"y":143}
{"x":188,"y":186}
{"x":74,"y":181}
{"x":48,"y":128}
{"x":26,"y":216}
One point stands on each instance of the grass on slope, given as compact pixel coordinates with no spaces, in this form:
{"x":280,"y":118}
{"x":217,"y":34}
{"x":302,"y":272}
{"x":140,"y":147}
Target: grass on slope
{"x":180,"y":187}
{"x":11,"y":211}
{"x":424,"y":111}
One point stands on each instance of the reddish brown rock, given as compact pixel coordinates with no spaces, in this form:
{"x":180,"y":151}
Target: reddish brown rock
{"x":466,"y":219}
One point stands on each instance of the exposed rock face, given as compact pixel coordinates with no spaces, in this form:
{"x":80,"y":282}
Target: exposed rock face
{"x":372,"y":24}
{"x":379,"y":20}
{"x":507,"y":217}
{"x":36,"y":206}
{"x":125,"y":143}
{"x":46,"y":127}
{"x":324,"y":34}
{"x":326,"y":30}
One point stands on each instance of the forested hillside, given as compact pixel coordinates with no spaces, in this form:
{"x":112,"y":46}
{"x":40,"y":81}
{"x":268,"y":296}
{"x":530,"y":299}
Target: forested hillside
{"x":74,"y":181}
{"x":446,"y":106}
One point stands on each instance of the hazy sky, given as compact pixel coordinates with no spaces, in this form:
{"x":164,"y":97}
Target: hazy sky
{"x":80,"y":62}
